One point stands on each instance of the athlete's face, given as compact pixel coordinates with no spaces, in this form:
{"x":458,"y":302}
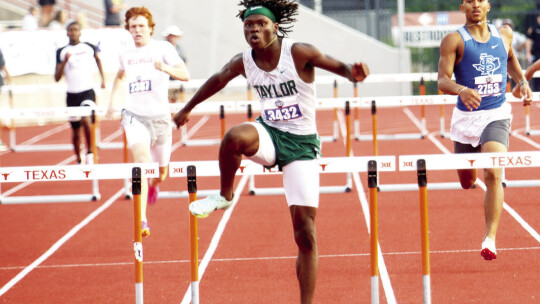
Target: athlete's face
{"x":259,"y":31}
{"x":139,"y":30}
{"x":475,"y":10}
{"x":74,"y":33}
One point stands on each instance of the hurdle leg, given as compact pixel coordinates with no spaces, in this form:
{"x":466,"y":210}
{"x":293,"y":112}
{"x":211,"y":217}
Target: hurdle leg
{"x":193,"y":233}
{"x":424,"y":230}
{"x":348,"y":185}
{"x":137,"y":245}
{"x":127,"y":192}
{"x":373,"y":231}
{"x":374,"y":128}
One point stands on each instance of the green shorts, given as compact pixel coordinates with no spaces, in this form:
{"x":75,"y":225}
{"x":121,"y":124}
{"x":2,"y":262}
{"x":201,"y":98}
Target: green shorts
{"x":290,"y":147}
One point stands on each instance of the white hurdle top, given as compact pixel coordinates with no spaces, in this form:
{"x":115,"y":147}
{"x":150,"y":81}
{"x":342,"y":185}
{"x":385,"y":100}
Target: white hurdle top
{"x":76,"y":172}
{"x":327,"y":165}
{"x":523,"y":159}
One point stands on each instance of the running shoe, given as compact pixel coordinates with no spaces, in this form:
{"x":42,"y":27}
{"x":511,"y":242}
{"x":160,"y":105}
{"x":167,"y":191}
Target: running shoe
{"x":202,"y":208}
{"x":153,"y":194}
{"x":489,"y":252}
{"x":145,"y":229}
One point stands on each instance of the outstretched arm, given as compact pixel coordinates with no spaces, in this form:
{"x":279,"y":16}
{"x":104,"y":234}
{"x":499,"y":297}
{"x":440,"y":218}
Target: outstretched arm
{"x":213,"y":85}
{"x":307,"y":57}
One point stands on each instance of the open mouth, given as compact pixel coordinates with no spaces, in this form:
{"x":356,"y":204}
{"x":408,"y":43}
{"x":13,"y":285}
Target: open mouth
{"x":254,"y":39}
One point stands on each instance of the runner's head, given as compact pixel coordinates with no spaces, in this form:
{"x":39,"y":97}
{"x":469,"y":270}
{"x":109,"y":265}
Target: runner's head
{"x":73,"y":32}
{"x":280,"y":12}
{"x":140,"y":24}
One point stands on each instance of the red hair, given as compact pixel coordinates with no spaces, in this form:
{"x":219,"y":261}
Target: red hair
{"x":134,"y":12}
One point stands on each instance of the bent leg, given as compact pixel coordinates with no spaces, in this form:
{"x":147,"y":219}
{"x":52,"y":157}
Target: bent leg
{"x":239,"y":140}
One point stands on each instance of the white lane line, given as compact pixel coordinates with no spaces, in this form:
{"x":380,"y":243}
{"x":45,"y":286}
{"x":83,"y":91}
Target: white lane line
{"x":383,"y":271}
{"x":45,"y":134}
{"x":270,"y":258}
{"x":60,"y":242}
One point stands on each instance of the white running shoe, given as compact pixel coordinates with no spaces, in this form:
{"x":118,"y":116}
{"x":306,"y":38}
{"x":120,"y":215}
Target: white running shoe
{"x":203,"y":207}
{"x":489,"y":251}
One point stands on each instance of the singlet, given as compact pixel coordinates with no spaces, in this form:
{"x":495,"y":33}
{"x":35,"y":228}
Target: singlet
{"x":81,"y":66}
{"x":287,"y":102}
{"x":483,"y":68}
{"x":147,"y":87}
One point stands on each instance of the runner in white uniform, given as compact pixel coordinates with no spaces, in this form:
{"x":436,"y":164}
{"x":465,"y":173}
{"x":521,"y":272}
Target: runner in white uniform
{"x":78,"y":61}
{"x":146,"y":116}
{"x":282,"y":72}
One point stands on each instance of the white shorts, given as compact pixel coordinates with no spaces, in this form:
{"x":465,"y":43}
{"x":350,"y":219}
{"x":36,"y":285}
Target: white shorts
{"x":300,"y":178}
{"x":467,"y":126}
{"x":159,"y":143}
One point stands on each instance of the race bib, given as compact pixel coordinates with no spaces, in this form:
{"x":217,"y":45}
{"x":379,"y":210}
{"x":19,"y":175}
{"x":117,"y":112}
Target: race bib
{"x":488,"y":85}
{"x":281,"y":109}
{"x":140,"y":86}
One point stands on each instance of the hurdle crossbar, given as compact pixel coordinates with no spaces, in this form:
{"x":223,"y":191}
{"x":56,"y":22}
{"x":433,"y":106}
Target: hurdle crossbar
{"x":327,"y":165}
{"x":67,"y":173}
{"x":521,"y":159}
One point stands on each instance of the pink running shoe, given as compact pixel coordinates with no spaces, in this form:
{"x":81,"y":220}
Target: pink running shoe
{"x":153,"y":194}
{"x":145,"y":229}
{"x":489,"y":251}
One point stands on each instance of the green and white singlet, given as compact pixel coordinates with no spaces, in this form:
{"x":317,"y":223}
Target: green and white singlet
{"x":287,"y":102}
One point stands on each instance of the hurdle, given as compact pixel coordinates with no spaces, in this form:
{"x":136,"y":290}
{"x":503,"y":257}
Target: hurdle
{"x":39,"y":114}
{"x":90,"y":172}
{"x":247,"y":167}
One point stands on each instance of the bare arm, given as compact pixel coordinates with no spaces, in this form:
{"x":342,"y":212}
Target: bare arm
{"x":100,"y":68}
{"x":8,"y":76}
{"x":513,"y":67}
{"x":179,"y":71}
{"x":451,"y":46}
{"x":307,"y":58}
{"x":213,"y":85}
{"x":60,"y":68}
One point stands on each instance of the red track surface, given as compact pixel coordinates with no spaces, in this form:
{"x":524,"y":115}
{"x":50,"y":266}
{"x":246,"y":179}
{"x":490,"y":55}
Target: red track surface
{"x":255,"y":258}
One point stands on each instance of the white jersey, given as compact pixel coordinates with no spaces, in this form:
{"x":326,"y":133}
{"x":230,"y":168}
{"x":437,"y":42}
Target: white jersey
{"x":287,"y":102}
{"x":80,"y":67}
{"x":147,"y":87}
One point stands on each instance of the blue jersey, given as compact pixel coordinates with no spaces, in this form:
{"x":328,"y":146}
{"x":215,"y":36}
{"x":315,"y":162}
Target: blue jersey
{"x":483,"y":68}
